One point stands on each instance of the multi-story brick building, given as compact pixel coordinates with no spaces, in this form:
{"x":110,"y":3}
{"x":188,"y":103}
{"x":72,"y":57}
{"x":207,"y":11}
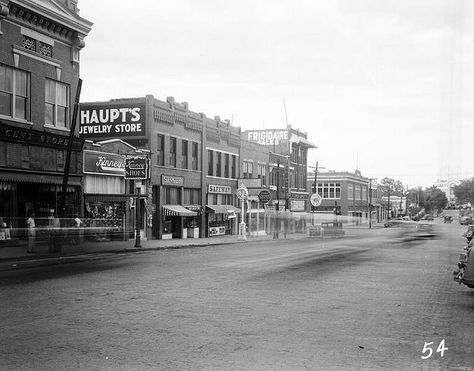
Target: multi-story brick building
{"x":40,"y":43}
{"x":194,"y":163}
{"x":346,"y":192}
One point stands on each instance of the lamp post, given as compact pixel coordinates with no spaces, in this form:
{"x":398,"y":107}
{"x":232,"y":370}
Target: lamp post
{"x":314,"y":188}
{"x":138,"y":186}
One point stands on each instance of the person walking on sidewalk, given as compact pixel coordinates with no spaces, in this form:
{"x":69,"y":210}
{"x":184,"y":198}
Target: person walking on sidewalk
{"x":54,"y":226}
{"x":30,"y":224}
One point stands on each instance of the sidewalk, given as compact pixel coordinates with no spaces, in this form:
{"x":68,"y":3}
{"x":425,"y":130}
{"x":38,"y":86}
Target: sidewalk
{"x":17,"y":250}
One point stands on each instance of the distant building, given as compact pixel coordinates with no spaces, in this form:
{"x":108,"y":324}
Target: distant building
{"x":447,"y":186}
{"x":346,"y":193}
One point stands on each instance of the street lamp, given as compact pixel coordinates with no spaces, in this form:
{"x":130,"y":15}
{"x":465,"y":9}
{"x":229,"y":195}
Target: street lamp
{"x":138,"y":186}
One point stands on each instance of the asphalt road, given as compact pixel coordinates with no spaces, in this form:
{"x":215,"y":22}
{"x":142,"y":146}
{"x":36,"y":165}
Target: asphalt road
{"x":364,"y":302}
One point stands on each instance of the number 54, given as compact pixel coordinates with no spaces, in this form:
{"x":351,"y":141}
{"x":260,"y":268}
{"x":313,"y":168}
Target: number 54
{"x":427,"y":348}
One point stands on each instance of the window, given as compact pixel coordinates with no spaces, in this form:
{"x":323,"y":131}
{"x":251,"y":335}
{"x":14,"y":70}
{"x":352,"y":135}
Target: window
{"x":14,"y":93}
{"x":364,"y":192}
{"x":172,"y":152}
{"x":294,"y":153}
{"x":261,"y":172}
{"x":192,"y":196}
{"x":226,"y":165}
{"x":56,"y":104}
{"x":218,"y":163}
{"x":160,"y":150}
{"x":184,"y":154}
{"x":247,"y":168}
{"x":172,"y":196}
{"x":350,"y":191}
{"x":329,"y":190}
{"x":358,"y":192}
{"x":210,"y":162}
{"x":194,"y":161}
{"x":233,"y":170}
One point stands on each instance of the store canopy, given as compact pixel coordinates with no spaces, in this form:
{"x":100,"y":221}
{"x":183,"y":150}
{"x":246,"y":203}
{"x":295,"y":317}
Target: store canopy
{"x":223,"y":209}
{"x":177,"y":210}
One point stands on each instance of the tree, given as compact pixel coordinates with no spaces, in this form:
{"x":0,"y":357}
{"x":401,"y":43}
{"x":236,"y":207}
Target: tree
{"x":396,"y":187}
{"x":434,"y":199}
{"x":464,"y":192}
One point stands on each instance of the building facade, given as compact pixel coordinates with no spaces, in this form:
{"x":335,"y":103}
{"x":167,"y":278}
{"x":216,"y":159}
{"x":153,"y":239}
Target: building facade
{"x":345,"y":193}
{"x":39,"y":73}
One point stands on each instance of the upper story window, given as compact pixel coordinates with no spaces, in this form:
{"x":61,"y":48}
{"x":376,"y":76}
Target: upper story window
{"x":234,"y":166}
{"x":210,"y":162}
{"x":247,"y":168}
{"x":262,"y":172}
{"x":329,"y":190}
{"x":218,"y":164}
{"x":160,"y":150}
{"x":350,"y":191}
{"x":56,"y":110}
{"x":14,"y":93}
{"x":184,"y":154}
{"x":172,"y":151}
{"x":37,"y":46}
{"x":194,"y":161}
{"x":226,"y":165}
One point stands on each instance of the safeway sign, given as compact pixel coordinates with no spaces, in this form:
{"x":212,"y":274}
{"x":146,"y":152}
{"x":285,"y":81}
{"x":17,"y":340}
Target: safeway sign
{"x":136,"y":167}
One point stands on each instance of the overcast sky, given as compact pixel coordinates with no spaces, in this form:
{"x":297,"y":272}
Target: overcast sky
{"x":382,"y":86}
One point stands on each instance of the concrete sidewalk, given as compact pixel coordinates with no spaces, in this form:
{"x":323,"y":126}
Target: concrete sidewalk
{"x":16,"y":250}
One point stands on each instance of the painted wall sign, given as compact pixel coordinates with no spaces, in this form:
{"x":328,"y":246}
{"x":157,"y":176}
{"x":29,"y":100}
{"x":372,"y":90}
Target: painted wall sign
{"x":219,"y":189}
{"x":297,"y":205}
{"x":39,"y":138}
{"x":173,"y":181}
{"x":267,"y":137}
{"x":104,"y":163}
{"x":136,"y":167}
{"x":112,"y":120}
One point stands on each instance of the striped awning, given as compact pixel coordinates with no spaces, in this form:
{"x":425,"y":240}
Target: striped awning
{"x":177,"y":210}
{"x":223,"y":209}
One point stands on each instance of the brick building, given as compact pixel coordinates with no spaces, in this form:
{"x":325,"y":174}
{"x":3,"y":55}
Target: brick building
{"x":194,"y":163}
{"x":346,"y":192}
{"x":40,"y":43}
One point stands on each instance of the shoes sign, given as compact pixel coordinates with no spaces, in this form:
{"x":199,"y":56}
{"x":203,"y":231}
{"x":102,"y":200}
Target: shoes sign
{"x":136,"y":167}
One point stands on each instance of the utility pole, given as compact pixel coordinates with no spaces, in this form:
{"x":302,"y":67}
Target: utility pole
{"x":388,"y":206}
{"x":370,"y":203}
{"x":277,"y":206}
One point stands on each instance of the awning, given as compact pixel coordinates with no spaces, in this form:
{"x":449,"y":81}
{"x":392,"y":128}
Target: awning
{"x":223,"y":209}
{"x":29,"y":177}
{"x":106,"y":198}
{"x":177,"y":210}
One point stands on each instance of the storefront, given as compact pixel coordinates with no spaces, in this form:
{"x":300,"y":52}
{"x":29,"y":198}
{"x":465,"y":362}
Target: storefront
{"x":179,"y":222}
{"x":108,"y":207}
{"x":221,"y":214}
{"x":297,"y":207}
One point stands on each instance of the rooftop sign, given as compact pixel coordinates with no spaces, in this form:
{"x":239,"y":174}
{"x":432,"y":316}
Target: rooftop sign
{"x":267,"y":137}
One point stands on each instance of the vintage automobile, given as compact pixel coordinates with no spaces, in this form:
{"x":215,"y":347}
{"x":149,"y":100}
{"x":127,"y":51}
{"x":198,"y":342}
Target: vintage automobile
{"x":465,"y":272}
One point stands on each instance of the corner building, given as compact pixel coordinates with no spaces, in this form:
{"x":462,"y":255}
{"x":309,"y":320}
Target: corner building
{"x":40,"y":43}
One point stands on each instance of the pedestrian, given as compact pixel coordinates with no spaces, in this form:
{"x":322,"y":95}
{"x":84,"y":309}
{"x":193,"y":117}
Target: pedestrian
{"x":2,"y":229}
{"x":54,"y":226}
{"x":30,"y":224}
{"x":79,"y":231}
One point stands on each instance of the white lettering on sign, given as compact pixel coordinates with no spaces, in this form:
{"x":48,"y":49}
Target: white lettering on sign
{"x":105,"y":164}
{"x":219,"y":189}
{"x":267,"y":137}
{"x":110,"y":115}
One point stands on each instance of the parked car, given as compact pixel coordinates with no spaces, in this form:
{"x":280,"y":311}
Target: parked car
{"x":465,"y":220}
{"x":428,"y":217}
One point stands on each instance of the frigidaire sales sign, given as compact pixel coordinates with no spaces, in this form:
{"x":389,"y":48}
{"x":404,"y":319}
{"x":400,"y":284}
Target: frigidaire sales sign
{"x":112,"y":121}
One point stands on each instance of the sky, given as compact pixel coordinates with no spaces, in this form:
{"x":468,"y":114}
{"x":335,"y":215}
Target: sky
{"x":385,"y":87}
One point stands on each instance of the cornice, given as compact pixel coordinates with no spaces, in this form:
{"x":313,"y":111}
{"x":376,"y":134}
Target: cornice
{"x":57,"y":21}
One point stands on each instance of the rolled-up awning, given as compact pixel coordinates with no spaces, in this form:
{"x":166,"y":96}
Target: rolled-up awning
{"x":177,"y":210}
{"x":223,"y":209}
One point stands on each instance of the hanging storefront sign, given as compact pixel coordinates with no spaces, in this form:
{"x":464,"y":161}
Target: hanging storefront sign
{"x":103,"y":163}
{"x":136,"y":167}
{"x":219,"y":189}
{"x":172,"y":181}
{"x":264,"y":196}
{"x":112,"y":120}
{"x":38,"y":138}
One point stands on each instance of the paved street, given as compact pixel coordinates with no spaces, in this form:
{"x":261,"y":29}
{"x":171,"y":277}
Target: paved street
{"x":364,"y":302}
